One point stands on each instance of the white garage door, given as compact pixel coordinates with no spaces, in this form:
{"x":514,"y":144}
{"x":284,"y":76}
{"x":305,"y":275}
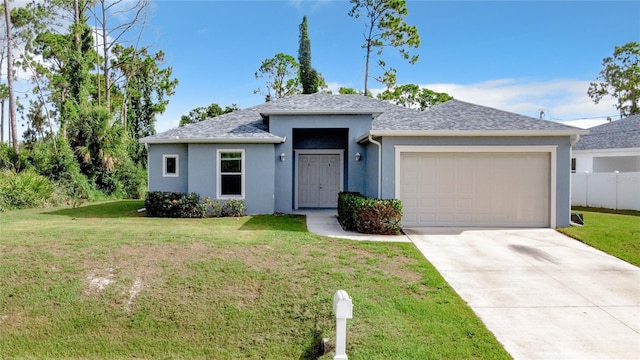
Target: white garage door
{"x":475,"y":189}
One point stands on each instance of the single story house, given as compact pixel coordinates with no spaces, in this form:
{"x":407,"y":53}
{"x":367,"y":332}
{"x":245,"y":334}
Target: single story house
{"x":614,"y":146}
{"x":456,"y":164}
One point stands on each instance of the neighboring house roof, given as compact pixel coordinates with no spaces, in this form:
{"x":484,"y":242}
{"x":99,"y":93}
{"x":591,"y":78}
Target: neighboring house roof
{"x":619,"y":134}
{"x":453,"y":118}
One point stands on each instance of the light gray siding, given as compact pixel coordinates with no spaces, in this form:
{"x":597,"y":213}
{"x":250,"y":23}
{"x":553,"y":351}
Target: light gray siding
{"x":258,"y":175}
{"x":371,"y":189}
{"x":158,"y":182}
{"x":198,"y":172}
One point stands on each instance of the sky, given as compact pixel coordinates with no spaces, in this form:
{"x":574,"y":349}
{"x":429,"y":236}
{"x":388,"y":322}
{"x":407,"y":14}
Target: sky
{"x":526,"y":57}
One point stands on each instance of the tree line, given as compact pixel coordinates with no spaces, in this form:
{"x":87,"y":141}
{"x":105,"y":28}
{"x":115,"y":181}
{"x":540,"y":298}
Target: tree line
{"x":92,"y":93}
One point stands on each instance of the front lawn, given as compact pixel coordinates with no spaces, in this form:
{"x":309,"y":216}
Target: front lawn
{"x":617,"y":234}
{"x":102,"y":281}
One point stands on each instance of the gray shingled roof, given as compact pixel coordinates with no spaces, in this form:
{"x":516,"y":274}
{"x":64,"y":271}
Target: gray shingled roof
{"x":247,"y":125}
{"x":619,"y":134}
{"x":456,"y":115}
{"x":322,"y":102}
{"x":241,"y":126}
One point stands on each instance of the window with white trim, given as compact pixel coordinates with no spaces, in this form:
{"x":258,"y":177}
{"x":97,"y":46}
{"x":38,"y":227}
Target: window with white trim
{"x":170,"y":165}
{"x":230,"y":173}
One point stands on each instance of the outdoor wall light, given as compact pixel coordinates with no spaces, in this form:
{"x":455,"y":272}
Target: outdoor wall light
{"x":282,"y":156}
{"x":358,"y":156}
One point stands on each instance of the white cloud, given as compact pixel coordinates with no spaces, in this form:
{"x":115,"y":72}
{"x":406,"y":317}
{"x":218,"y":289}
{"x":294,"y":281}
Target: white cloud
{"x":560,"y":99}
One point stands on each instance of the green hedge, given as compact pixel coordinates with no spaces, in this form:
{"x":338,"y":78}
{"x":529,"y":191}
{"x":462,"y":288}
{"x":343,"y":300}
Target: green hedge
{"x":369,"y":215}
{"x":174,"y":205}
{"x":348,"y":203}
{"x":225,"y":208}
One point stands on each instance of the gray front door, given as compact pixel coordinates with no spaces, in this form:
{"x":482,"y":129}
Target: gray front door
{"x":318,"y":180}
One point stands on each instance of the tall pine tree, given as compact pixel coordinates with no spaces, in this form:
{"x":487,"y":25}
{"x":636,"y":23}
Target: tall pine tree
{"x":308,"y":75}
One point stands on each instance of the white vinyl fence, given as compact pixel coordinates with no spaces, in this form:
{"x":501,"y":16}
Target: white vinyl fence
{"x":607,"y":190}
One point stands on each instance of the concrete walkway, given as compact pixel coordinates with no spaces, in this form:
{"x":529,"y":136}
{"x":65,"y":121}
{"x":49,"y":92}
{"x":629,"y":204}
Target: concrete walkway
{"x":542,"y":294}
{"x":325,"y":222}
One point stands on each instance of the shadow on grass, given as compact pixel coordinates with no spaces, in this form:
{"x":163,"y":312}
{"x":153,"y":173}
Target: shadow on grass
{"x":112,"y":209}
{"x":315,"y":349}
{"x":275,"y":222}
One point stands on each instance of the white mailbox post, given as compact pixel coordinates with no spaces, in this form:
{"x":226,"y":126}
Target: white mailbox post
{"x":343,"y":308}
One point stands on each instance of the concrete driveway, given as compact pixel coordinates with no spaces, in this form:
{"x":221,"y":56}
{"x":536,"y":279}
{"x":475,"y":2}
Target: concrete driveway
{"x":543,"y":295}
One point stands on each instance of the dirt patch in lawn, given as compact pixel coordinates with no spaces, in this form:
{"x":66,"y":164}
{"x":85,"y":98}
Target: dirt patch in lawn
{"x":130,"y":269}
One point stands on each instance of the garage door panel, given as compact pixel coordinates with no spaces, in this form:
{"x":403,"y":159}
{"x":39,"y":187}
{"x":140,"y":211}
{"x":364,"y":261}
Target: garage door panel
{"x":475,"y":189}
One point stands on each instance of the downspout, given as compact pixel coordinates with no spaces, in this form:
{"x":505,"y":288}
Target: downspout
{"x":574,"y":141}
{"x":379,"y":164}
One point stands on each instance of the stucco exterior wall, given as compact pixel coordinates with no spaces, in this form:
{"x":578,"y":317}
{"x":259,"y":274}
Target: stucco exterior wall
{"x":371,"y":188}
{"x":354,"y":171}
{"x":563,"y":162}
{"x":157,"y":182}
{"x":198,"y":172}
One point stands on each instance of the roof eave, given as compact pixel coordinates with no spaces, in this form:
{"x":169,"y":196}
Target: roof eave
{"x":246,"y":140}
{"x":466,"y":133}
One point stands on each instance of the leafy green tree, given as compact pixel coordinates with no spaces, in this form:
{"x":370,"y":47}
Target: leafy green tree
{"x":129,"y":14}
{"x":36,"y":122}
{"x":348,"y":91}
{"x":100,"y":146}
{"x":203,"y":113}
{"x":281,"y":72}
{"x":145,"y":87}
{"x":385,"y":26}
{"x":308,"y":75}
{"x":620,"y":78}
{"x":413,"y":96}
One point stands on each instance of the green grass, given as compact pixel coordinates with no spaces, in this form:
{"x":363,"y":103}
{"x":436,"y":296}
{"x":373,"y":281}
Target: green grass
{"x":614,"y":232}
{"x":254,"y":287}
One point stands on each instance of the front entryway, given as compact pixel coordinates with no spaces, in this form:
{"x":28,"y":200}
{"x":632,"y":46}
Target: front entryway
{"x":318,"y":180}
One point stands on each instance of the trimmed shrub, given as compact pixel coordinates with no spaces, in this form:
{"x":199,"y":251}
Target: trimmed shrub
{"x":232,"y":208}
{"x":379,"y":216}
{"x":348,"y":203}
{"x":24,"y":190}
{"x":174,"y":205}
{"x":368,"y":215}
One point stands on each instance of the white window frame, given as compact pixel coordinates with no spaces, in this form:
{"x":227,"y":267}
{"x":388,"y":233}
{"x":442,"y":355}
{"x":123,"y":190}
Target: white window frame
{"x":242,"y":174}
{"x":164,"y":165}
